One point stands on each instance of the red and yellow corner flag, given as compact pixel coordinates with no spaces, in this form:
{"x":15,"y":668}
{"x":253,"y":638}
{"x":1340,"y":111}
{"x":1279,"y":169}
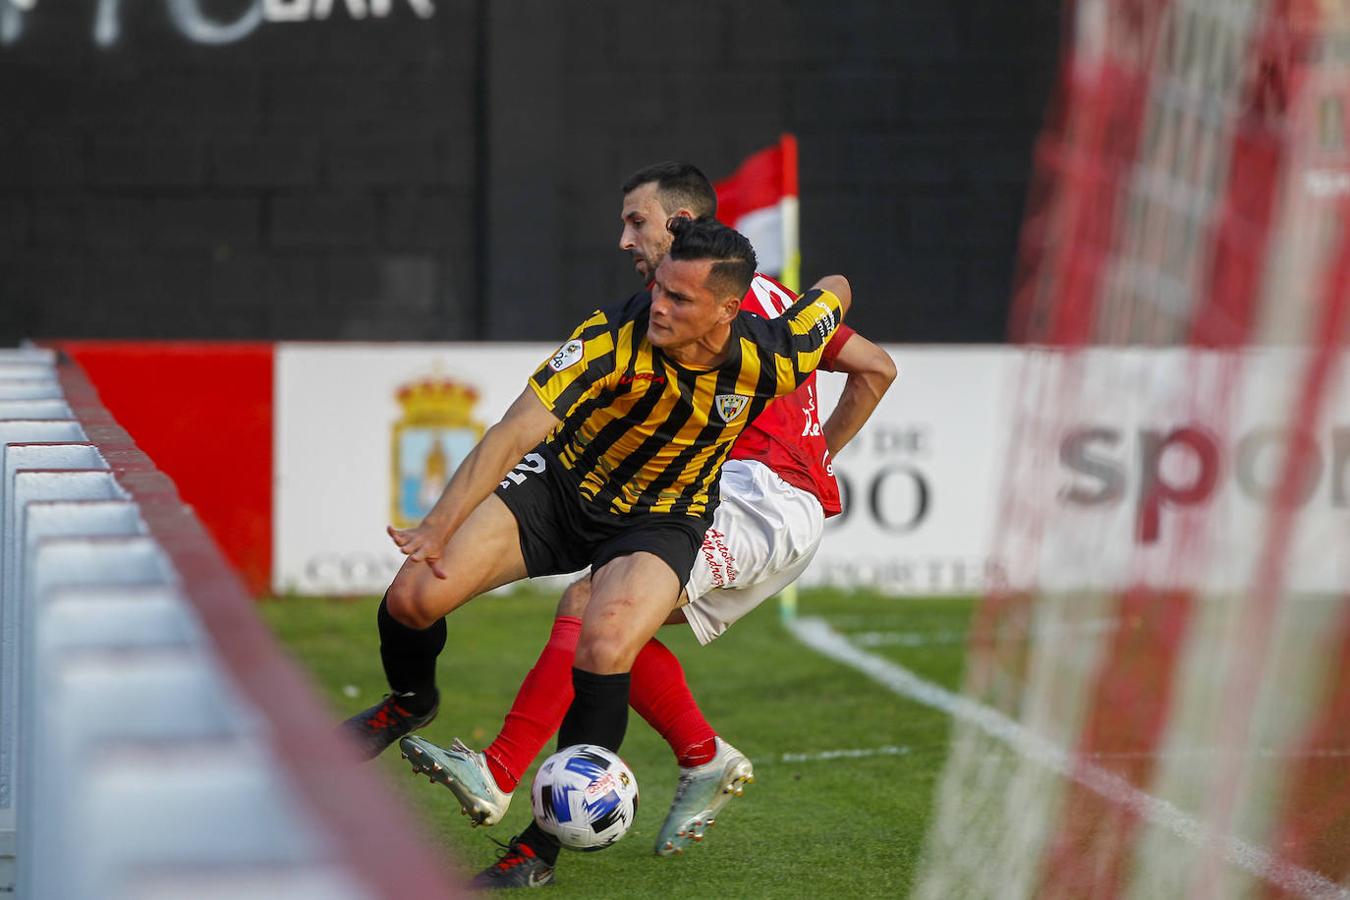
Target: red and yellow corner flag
{"x":759,"y":200}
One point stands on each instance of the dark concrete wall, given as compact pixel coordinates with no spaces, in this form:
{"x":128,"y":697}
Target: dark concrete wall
{"x":196,"y":168}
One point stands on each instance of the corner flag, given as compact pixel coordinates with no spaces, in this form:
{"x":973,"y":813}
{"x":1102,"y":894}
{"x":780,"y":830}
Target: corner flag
{"x":759,"y":200}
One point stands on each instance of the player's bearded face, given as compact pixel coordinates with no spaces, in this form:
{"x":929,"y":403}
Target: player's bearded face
{"x":644,"y":235}
{"x":684,"y":310}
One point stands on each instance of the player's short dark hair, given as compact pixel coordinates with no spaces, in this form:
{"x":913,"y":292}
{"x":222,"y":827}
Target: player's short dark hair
{"x":733,"y":258}
{"x":679,"y":185}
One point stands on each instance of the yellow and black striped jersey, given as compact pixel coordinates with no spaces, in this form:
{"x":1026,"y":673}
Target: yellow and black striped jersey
{"x":639,"y":432}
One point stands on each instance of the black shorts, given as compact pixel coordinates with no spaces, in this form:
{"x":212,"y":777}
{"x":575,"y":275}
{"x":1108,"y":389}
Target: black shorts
{"x":561,"y":532}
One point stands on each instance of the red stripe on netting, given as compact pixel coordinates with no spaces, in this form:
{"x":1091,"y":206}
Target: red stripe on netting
{"x":375,"y":839}
{"x":200,"y":408}
{"x":1241,"y":234}
{"x":1314,"y":829}
{"x":1269,"y":585}
{"x":1090,"y":142}
{"x":1314,"y":826}
{"x":1090,"y":139}
{"x":1091,"y":852}
{"x":1036,"y":250}
{"x":996,"y":649}
{"x":1327,"y":336}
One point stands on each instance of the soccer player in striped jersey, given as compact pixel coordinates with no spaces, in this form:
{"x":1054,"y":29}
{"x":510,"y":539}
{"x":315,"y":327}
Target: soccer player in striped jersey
{"x":777,"y":489}
{"x":636,"y":412}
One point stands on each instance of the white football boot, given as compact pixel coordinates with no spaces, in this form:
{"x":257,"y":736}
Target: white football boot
{"x":464,"y":772}
{"x":700,"y":795}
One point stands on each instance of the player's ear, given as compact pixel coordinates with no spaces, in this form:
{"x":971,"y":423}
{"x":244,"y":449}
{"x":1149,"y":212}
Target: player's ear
{"x":680,"y":213}
{"x":730,"y":308}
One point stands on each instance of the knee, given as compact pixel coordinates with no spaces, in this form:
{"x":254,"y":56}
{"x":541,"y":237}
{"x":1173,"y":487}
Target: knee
{"x":605,"y":651}
{"x":575,"y":598}
{"x":410,"y":606}
{"x":603,"y":659}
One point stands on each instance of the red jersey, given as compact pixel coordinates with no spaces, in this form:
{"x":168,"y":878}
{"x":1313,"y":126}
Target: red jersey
{"x":787,"y":436}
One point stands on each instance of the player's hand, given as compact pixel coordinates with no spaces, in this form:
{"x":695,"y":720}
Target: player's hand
{"x":421,"y":544}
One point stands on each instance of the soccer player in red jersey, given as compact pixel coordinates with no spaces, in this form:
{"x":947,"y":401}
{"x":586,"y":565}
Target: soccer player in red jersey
{"x":777,"y":489}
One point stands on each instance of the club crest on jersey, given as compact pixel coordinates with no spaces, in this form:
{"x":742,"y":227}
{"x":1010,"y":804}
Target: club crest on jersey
{"x":568,"y":354}
{"x":729,"y":406}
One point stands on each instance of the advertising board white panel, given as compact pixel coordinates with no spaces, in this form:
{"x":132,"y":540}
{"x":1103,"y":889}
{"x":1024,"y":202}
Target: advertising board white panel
{"x":921,"y":478}
{"x":918,"y":478}
{"x":363,"y":431}
{"x":1120,"y":454}
{"x":1162,"y":467}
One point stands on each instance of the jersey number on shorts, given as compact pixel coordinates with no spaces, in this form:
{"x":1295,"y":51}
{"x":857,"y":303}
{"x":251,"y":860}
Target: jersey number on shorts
{"x":532,"y":463}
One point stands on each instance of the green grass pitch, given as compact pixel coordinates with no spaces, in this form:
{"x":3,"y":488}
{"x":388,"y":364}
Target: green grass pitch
{"x":808,"y":827}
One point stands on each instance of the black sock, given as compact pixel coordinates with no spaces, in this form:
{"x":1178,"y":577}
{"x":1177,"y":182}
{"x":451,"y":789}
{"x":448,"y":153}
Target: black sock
{"x":409,"y":658}
{"x":544,"y":845}
{"x":598,"y":715}
{"x":599,"y":711}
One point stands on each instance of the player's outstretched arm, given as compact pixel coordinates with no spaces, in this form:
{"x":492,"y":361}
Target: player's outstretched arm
{"x":870,"y":372}
{"x":523,"y":426}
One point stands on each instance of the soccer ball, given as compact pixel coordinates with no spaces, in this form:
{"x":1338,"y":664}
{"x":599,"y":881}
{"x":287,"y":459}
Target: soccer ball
{"x":585,"y":796}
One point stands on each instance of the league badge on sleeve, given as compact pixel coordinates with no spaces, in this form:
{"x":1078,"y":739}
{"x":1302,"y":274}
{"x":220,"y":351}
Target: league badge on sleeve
{"x":729,"y":406}
{"x":569,"y":354}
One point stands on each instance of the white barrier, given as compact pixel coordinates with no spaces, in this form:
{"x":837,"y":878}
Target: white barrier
{"x":31,"y":472}
{"x":29,"y":355}
{"x":153,"y":742}
{"x":54,"y":408}
{"x":20,"y":369}
{"x":30,"y":389}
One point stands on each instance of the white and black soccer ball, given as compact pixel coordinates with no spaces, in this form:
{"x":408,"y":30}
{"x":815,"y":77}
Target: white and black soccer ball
{"x":585,"y":796}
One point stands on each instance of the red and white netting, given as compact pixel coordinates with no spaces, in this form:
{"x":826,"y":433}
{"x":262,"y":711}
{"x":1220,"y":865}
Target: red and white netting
{"x":1173,"y":642}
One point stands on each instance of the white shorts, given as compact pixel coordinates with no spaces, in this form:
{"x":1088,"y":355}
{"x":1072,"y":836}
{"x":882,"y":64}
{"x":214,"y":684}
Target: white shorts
{"x":763,"y":535}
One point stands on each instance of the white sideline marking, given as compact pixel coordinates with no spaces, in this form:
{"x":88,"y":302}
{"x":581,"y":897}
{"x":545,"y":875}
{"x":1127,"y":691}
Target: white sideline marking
{"x":817,"y":634}
{"x":929,"y":638}
{"x":1217,"y":752}
{"x":907,"y":638}
{"x":844,"y":620}
{"x":824,"y":755}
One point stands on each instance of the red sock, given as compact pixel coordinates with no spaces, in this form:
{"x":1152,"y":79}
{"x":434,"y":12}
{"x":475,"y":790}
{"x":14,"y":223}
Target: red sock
{"x":540,"y":705}
{"x":660,"y":695}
